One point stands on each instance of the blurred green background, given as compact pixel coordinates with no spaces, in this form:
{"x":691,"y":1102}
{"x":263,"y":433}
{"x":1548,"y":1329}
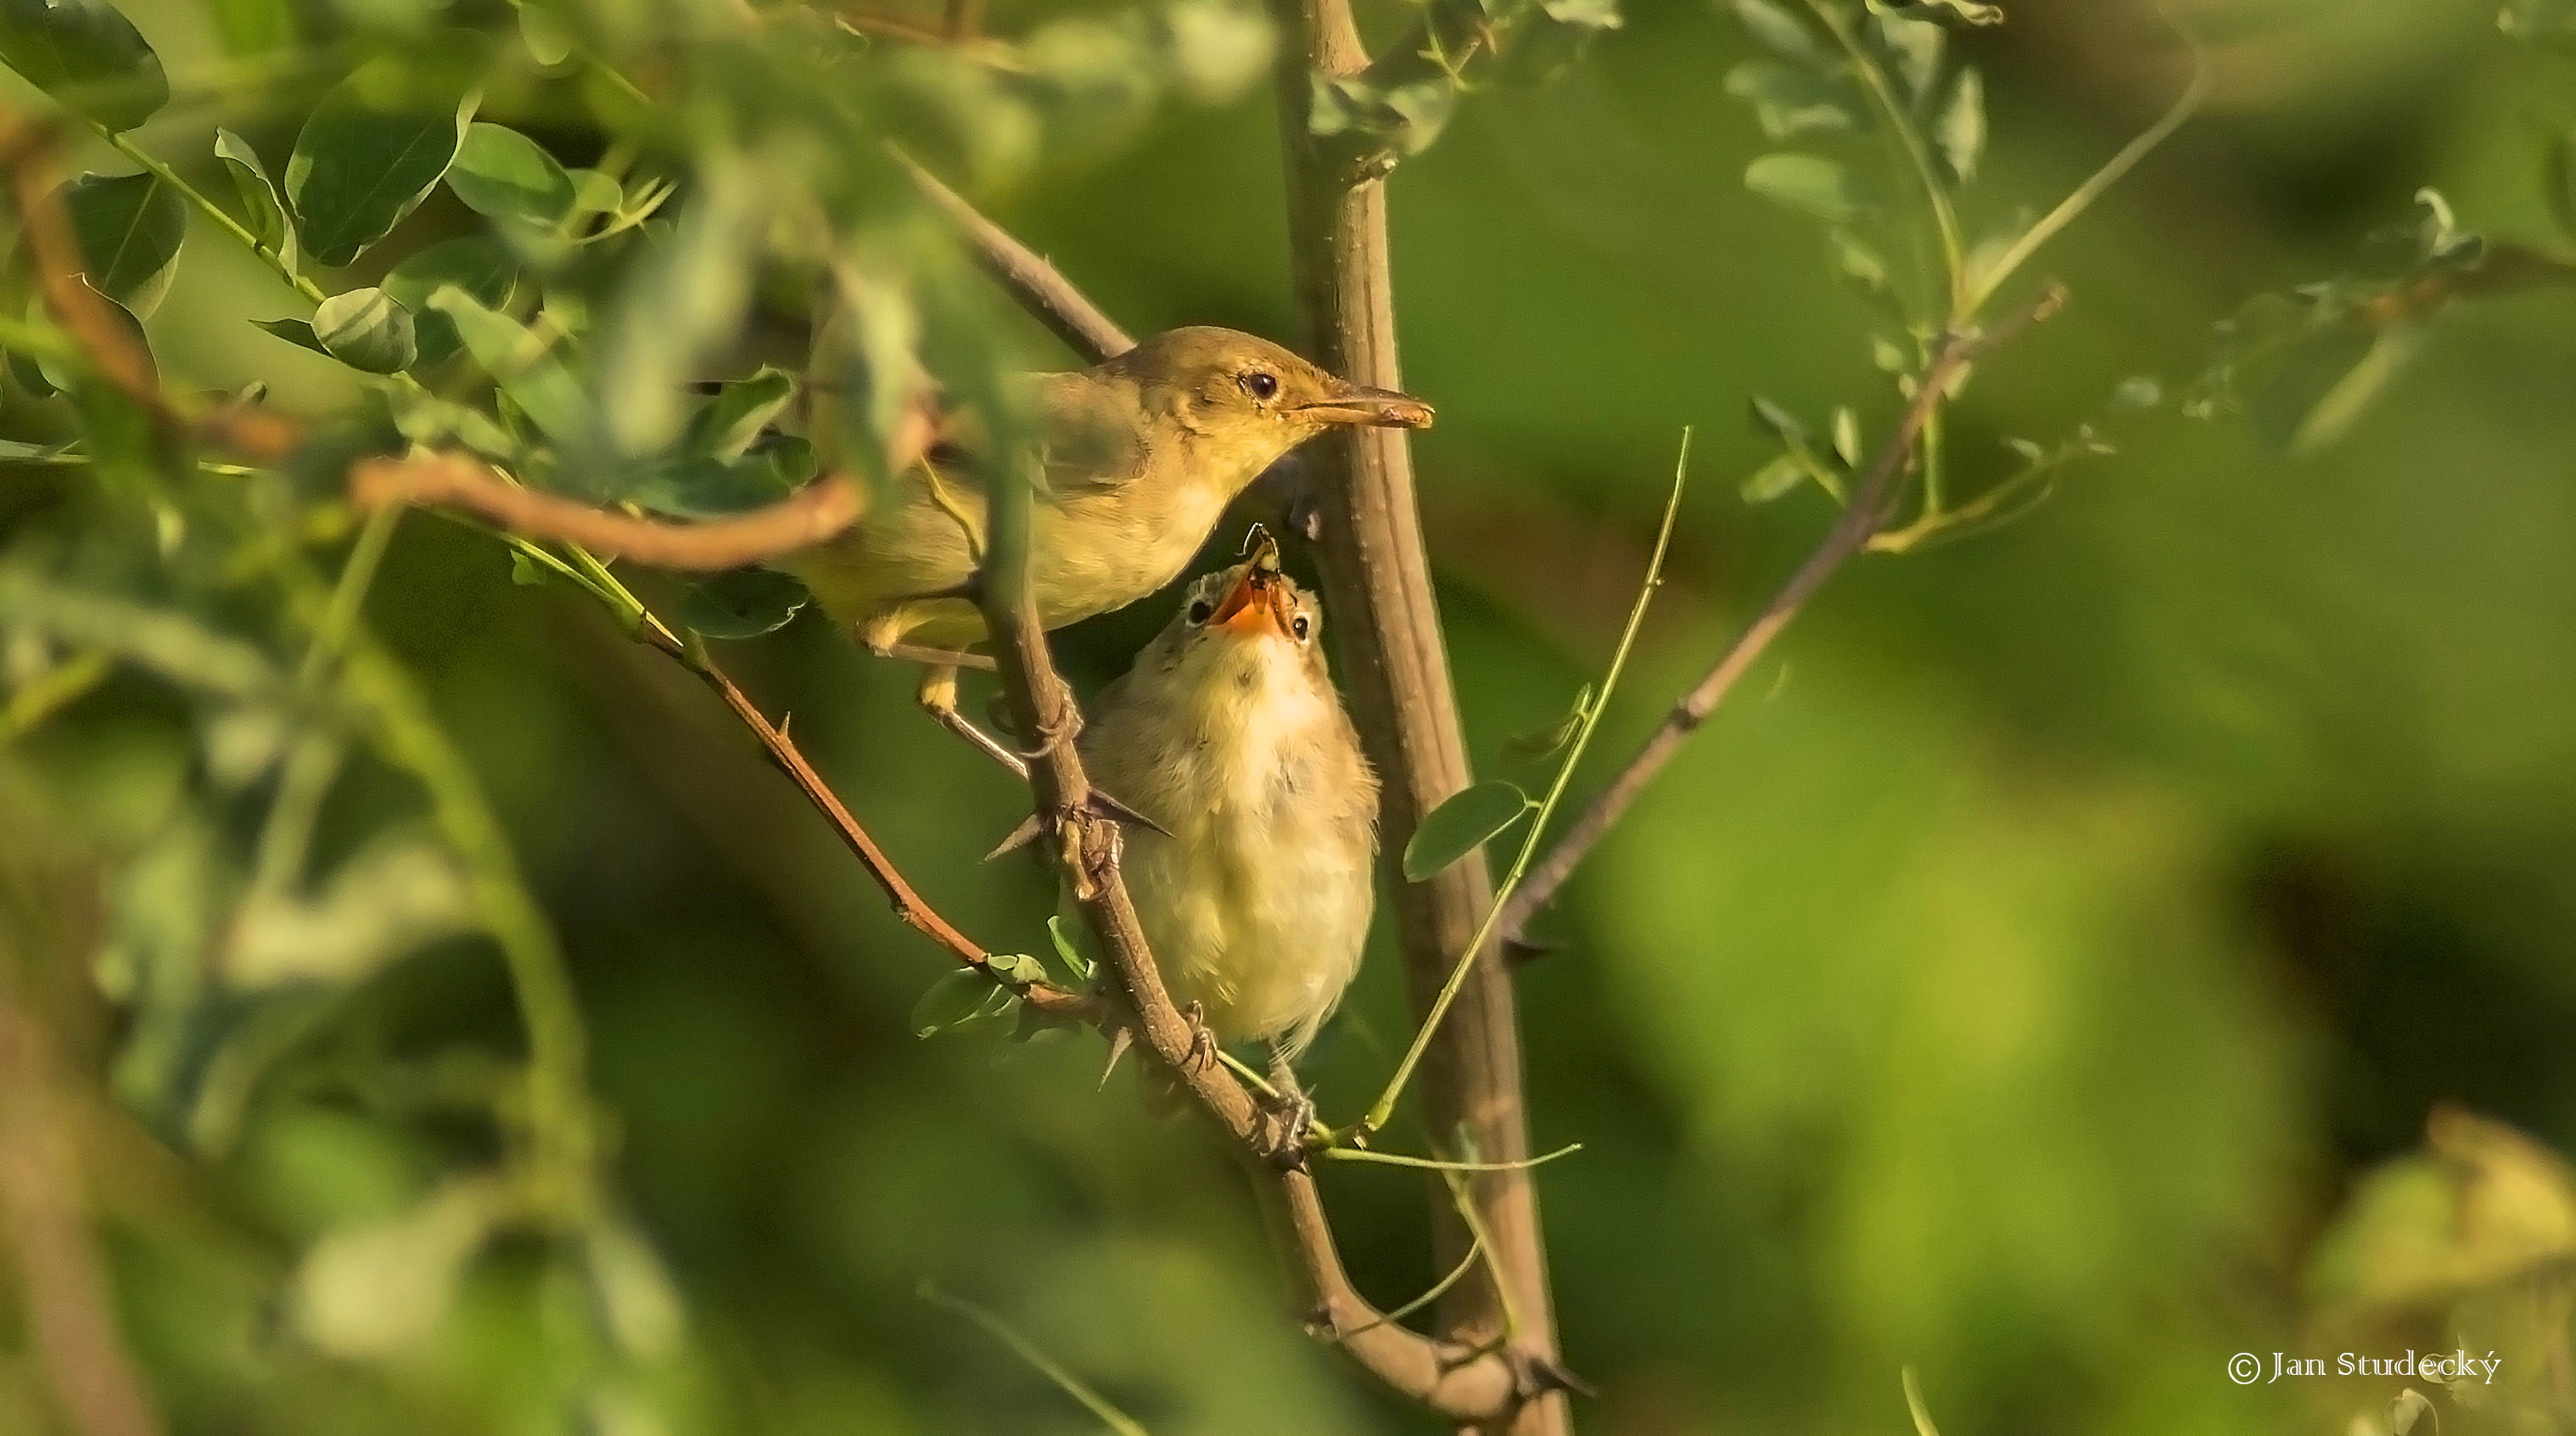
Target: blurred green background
{"x":2013,"y":981}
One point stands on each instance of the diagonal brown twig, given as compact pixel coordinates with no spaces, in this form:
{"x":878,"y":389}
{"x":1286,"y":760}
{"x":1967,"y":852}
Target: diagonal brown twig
{"x":1849,"y":535}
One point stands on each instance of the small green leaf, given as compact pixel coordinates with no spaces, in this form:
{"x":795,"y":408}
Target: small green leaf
{"x":527,"y":572}
{"x":548,"y":40}
{"x":1466,"y":821}
{"x":1016,"y":968}
{"x":1541,"y":742}
{"x":1886,"y":356}
{"x":1961,"y":130}
{"x":129,"y":228}
{"x":518,"y":361}
{"x":475,"y":263}
{"x":1781,"y":32}
{"x":1783,"y":424}
{"x":368,"y":155}
{"x":504,"y":174}
{"x":1858,"y":261}
{"x":1070,"y":950}
{"x":725,"y":426}
{"x":1913,"y":47}
{"x":695,"y":486}
{"x":1773,"y":479}
{"x":1847,"y":437}
{"x":745,"y":603}
{"x":261,"y":203}
{"x":1789,"y":101}
{"x":366,"y":329}
{"x":86,"y":55}
{"x":595,"y":193}
{"x":297,"y":332}
{"x":1956,"y":14}
{"x":1809,"y":184}
{"x":2137,"y":394}
{"x":958,"y":999}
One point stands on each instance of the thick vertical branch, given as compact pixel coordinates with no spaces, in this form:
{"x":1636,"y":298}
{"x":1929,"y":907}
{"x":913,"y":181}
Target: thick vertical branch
{"x":1379,"y":587}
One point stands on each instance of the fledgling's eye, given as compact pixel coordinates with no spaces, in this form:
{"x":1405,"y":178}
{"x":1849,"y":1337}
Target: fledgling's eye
{"x":1200,"y":608}
{"x":1261,"y":384}
{"x":1299,"y":628}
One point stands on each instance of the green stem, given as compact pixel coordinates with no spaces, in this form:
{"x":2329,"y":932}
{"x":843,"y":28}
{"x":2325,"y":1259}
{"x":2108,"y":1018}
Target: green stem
{"x":2092,"y":189}
{"x":212,"y":211}
{"x":1002,"y":1331}
{"x":1384,"y":1108}
{"x":52,"y":691}
{"x":1434,"y":1164}
{"x":1954,"y":253}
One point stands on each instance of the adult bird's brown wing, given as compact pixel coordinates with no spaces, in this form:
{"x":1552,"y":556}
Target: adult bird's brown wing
{"x":1090,"y":437}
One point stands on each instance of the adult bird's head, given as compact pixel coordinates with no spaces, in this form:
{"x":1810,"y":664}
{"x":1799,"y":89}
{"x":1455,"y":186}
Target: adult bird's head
{"x":1240,"y":401}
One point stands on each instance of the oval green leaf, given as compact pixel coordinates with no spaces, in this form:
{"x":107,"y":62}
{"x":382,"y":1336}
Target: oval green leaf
{"x":366,"y":329}
{"x":1467,"y":821}
{"x":359,"y":167}
{"x":129,"y":228}
{"x":86,"y":55}
{"x":1961,"y":130}
{"x":504,"y":174}
{"x":1809,"y":184}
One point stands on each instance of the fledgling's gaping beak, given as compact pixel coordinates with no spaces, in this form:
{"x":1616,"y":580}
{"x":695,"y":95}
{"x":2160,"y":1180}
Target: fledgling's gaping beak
{"x":1359,"y":404}
{"x":1257,"y":606}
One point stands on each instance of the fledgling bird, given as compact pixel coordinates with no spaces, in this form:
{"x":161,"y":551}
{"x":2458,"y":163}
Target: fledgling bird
{"x":1137,"y":458}
{"x":1228,"y":732}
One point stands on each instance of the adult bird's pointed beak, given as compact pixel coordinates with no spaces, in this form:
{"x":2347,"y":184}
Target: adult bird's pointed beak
{"x":1373,"y":408}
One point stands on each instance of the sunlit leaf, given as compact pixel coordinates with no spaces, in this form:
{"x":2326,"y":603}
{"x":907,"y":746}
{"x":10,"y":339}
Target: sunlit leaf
{"x":1466,"y":821}
{"x":366,"y":329}
{"x":548,"y":40}
{"x":504,"y":174}
{"x":1068,"y":947}
{"x":682,"y":300}
{"x":1772,"y":480}
{"x":86,"y":55}
{"x":375,"y":1290}
{"x":368,"y":155}
{"x":1913,"y":47}
{"x":393,"y":896}
{"x":745,"y":603}
{"x":1847,"y":437}
{"x":1809,"y":184}
{"x":2137,"y":394}
{"x":1961,"y":129}
{"x":1957,"y":14}
{"x":129,"y":228}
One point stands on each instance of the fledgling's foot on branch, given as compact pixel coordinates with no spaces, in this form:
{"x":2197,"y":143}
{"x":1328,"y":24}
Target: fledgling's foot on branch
{"x":1202,"y":1053}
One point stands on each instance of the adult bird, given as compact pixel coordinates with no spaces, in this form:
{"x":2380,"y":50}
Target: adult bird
{"x":1135,"y":460}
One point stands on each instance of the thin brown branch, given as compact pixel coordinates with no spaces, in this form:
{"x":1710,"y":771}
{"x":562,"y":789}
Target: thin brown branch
{"x":26,"y":152}
{"x":1849,"y":535}
{"x":1459,"y":1383}
{"x":1378,"y":586}
{"x":907,"y":902}
{"x":1038,"y":285}
{"x":444,"y":478}
{"x":78,"y":1346}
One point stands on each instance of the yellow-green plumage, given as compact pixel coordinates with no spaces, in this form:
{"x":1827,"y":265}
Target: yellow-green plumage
{"x":1229,"y":733}
{"x":1137,"y":459}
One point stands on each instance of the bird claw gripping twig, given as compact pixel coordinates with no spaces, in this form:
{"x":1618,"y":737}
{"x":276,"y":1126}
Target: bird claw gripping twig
{"x":1202,"y":1052}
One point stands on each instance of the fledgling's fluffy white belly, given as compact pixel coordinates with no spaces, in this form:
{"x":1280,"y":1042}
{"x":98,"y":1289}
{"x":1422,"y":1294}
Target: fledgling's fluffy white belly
{"x":1264,"y":944}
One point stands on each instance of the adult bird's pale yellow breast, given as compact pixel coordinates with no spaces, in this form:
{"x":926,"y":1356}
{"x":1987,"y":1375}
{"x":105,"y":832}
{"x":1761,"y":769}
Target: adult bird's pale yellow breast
{"x":1228,"y":732}
{"x":1137,"y":459}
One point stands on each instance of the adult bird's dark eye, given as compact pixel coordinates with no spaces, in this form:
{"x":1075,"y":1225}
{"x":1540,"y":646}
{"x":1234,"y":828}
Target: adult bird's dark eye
{"x":1260,"y":384}
{"x":1300,"y":627}
{"x":1199,"y":611}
